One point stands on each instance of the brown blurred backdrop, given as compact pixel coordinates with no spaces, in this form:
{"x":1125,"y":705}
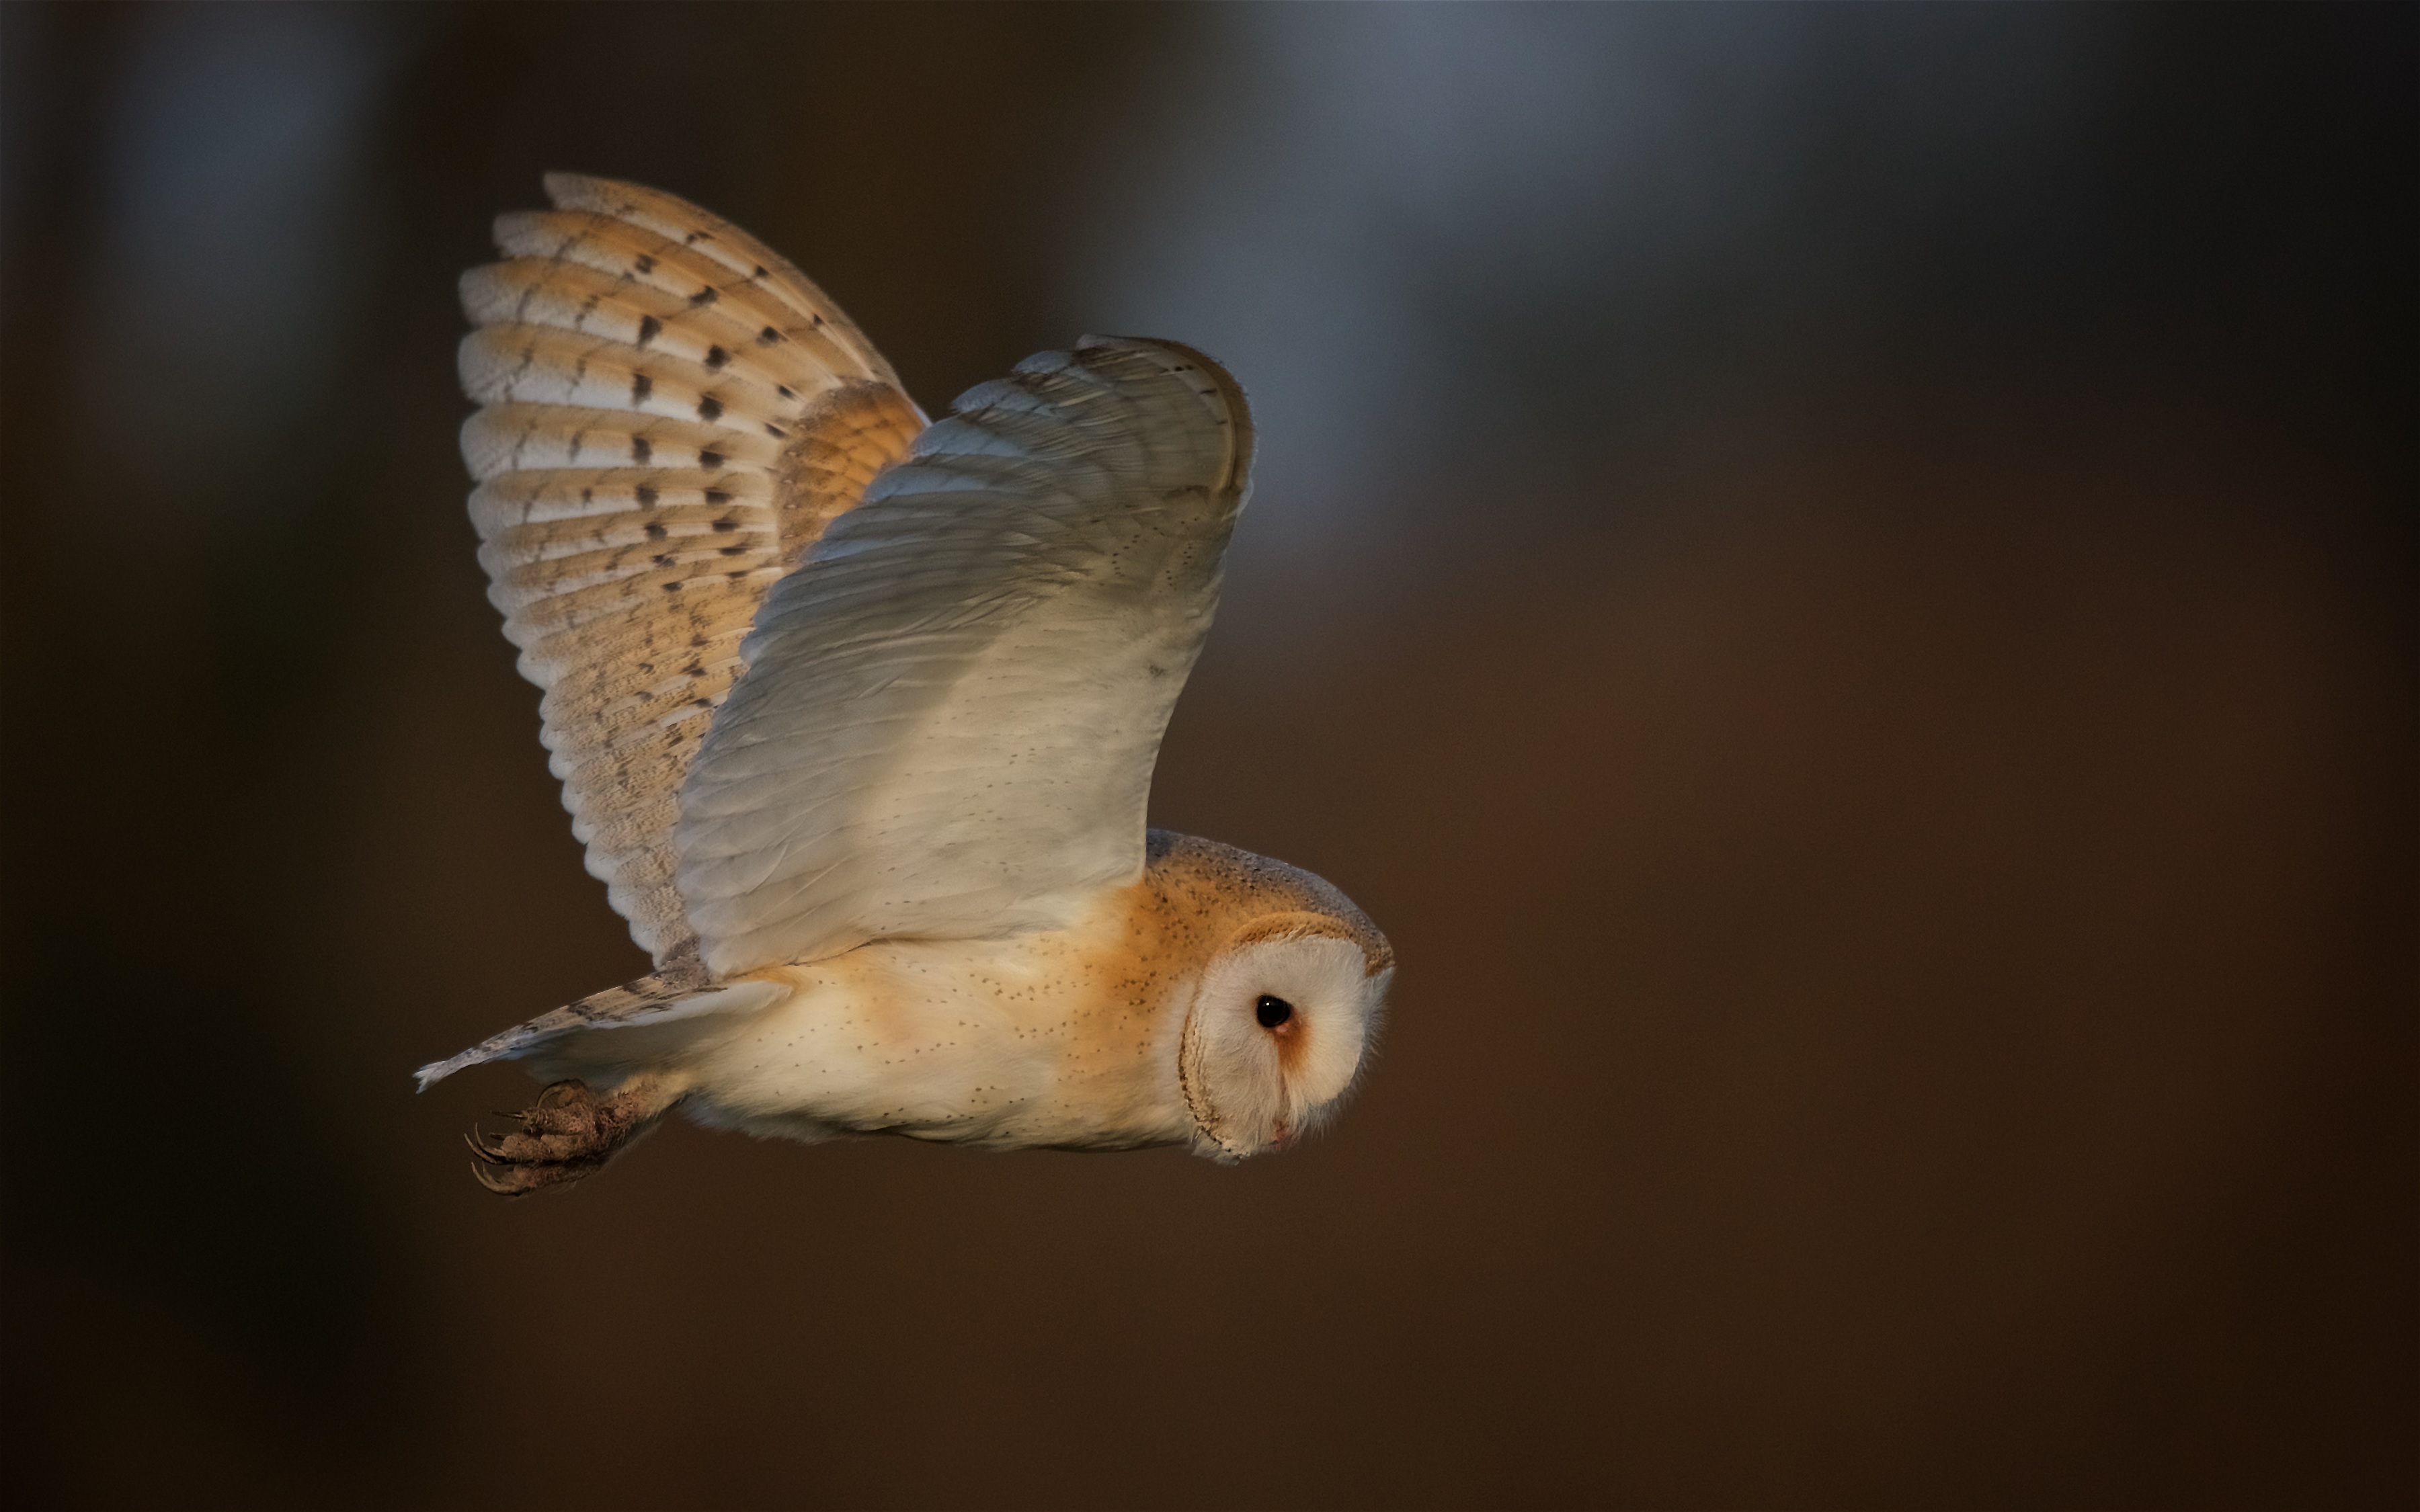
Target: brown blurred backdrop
{"x":1839,"y":579}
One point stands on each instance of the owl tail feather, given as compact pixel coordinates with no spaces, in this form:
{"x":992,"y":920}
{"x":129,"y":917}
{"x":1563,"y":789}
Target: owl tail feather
{"x":678,"y":992}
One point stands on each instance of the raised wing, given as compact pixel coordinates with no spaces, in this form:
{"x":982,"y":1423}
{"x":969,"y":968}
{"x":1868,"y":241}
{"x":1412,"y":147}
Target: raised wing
{"x":672,"y":414}
{"x":949,"y":718}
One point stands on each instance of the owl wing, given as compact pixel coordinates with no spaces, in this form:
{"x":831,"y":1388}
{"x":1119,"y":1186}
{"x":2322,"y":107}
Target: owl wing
{"x":949,"y":718}
{"x":669,"y":415}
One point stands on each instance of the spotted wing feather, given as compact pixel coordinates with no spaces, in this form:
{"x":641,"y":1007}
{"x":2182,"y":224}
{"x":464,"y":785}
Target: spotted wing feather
{"x":670,"y":416}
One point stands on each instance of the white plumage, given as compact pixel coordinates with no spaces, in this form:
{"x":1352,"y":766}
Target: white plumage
{"x":857,"y":717}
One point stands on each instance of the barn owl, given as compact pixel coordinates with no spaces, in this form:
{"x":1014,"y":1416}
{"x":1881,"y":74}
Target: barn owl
{"x":856,"y":716}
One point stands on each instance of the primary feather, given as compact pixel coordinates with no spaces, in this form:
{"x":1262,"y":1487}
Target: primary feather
{"x":670,"y":414}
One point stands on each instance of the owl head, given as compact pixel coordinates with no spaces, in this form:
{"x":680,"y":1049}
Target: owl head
{"x":1281,"y":1021}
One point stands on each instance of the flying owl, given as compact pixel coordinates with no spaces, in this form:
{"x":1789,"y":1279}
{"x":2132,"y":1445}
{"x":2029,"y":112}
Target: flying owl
{"x":856,"y":715}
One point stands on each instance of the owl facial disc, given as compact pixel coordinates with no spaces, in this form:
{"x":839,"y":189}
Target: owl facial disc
{"x":1276,"y":1034}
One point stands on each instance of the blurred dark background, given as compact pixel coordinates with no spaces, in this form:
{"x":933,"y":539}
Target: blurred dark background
{"x":1840,"y":579}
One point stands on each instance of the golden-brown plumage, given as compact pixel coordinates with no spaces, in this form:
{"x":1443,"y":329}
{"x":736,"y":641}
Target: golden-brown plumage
{"x":672,"y":414}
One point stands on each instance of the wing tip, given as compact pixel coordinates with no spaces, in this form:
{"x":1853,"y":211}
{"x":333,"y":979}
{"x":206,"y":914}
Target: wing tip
{"x":567,"y":190}
{"x":1224,"y":386}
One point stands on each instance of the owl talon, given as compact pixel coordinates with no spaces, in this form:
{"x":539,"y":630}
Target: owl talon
{"x":568,"y":1133}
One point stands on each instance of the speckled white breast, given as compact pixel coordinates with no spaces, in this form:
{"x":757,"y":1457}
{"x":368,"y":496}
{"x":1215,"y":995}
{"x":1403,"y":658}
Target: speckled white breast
{"x":1048,"y":1039}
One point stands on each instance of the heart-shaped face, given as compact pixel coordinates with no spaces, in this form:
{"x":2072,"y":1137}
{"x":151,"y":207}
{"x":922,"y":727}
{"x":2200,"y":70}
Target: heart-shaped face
{"x":1277,"y":1031}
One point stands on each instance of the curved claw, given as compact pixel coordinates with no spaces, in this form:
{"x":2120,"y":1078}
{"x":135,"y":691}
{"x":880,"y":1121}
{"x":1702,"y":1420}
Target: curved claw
{"x":569,"y":1133}
{"x":497,"y":1184}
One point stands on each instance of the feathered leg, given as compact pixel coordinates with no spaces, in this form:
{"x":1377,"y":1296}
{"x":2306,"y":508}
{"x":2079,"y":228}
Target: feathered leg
{"x":570,"y":1133}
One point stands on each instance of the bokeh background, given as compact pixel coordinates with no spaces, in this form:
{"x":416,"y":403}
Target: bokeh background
{"x":1839,"y":578}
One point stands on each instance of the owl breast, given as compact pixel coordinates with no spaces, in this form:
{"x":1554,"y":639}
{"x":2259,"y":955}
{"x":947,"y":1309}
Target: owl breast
{"x":1063,"y":1038}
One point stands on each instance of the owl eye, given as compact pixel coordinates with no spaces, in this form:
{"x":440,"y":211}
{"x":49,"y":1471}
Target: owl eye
{"x":1272,"y":1011}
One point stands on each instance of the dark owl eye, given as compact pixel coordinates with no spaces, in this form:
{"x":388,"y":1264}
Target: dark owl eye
{"x":1272,"y":1011}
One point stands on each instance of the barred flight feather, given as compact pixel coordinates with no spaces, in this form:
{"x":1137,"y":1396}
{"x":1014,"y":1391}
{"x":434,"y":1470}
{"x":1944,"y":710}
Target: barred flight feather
{"x":670,"y":415}
{"x":731,"y":308}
